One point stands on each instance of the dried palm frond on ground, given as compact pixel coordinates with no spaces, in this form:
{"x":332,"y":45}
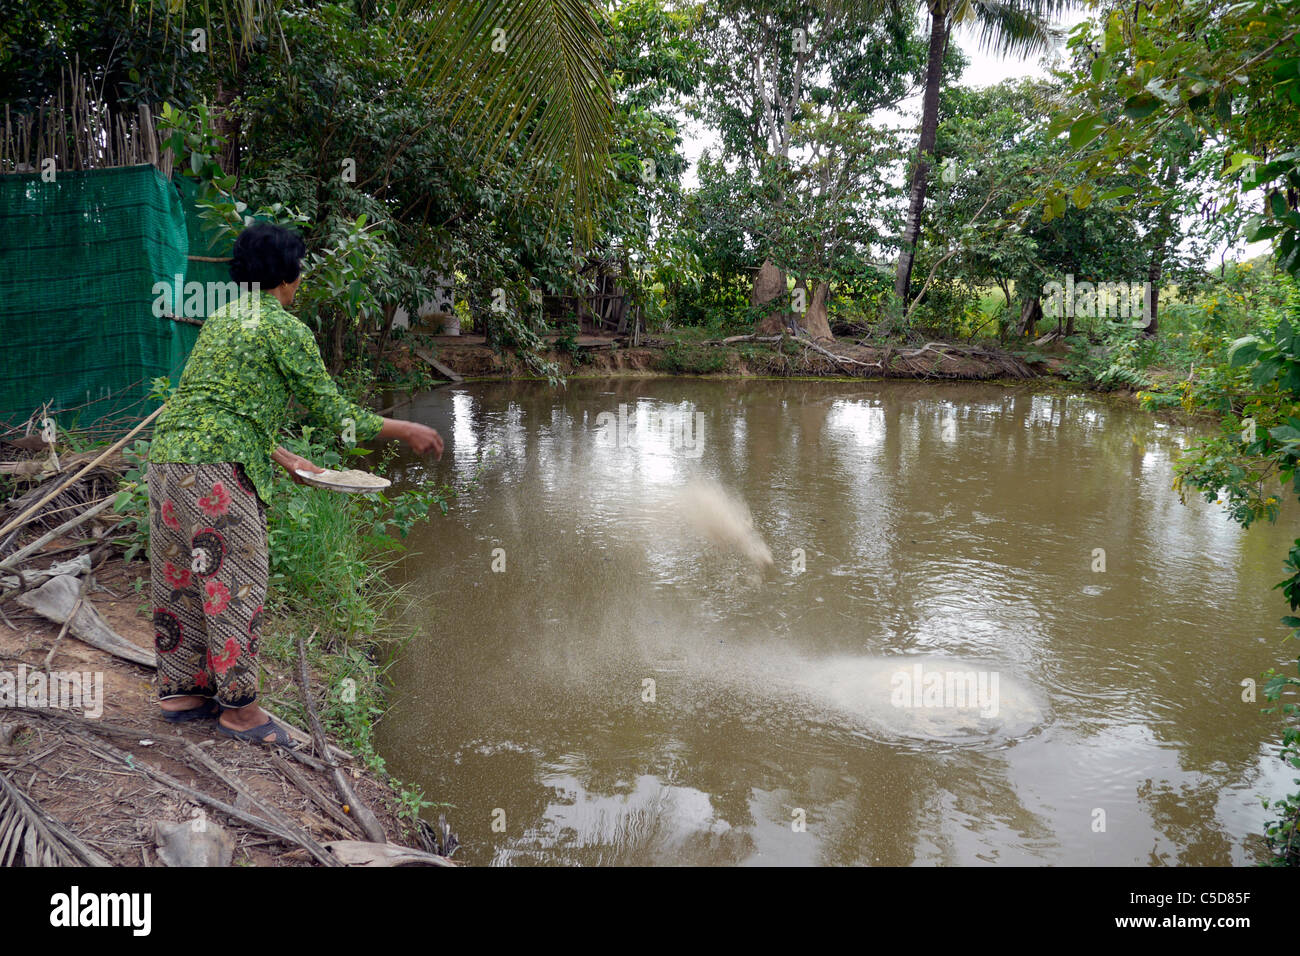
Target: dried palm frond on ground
{"x":100,"y":481}
{"x":31,"y":837}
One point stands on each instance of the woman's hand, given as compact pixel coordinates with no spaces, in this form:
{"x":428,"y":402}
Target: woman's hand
{"x":291,"y":463}
{"x":421,"y":438}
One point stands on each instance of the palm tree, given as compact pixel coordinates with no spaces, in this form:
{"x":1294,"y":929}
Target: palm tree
{"x":531,"y":72}
{"x":534,"y":67}
{"x":1004,"y":26}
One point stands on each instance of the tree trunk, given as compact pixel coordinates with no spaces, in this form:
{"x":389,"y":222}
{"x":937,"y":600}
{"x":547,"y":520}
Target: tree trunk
{"x":799,"y":304}
{"x":1164,"y":229}
{"x":1155,"y":269}
{"x":228,"y":123}
{"x":390,"y":313}
{"x":1031,"y":310}
{"x":1151,"y":295}
{"x":924,"y":149}
{"x":815,"y":321}
{"x":769,"y":285}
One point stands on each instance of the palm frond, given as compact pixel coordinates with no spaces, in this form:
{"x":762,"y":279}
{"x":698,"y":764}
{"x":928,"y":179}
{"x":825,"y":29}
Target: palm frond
{"x":1001,"y":26}
{"x":532,"y":72}
{"x":31,"y":837}
{"x":1004,"y":27}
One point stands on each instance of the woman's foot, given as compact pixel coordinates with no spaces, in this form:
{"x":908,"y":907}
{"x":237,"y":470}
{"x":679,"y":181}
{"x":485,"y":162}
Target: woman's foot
{"x":239,"y":720}
{"x":179,"y":710}
{"x":183,"y":703}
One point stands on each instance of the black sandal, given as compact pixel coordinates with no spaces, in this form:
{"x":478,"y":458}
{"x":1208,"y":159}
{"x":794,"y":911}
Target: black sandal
{"x":209,"y":708}
{"x":255,"y":735}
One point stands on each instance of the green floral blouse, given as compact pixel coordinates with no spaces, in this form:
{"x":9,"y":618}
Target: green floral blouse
{"x":233,"y":396}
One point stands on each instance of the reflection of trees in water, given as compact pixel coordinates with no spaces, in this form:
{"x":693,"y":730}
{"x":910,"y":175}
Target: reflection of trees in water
{"x":1186,"y":815}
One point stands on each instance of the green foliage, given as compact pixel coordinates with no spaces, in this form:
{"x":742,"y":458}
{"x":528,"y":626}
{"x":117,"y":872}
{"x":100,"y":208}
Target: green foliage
{"x":680,"y":359}
{"x":941,"y":313}
{"x":802,"y":176}
{"x":132,"y":501}
{"x":121,"y":54}
{"x":1227,"y":75}
{"x":1257,"y":388}
{"x":551,"y":85}
{"x":996,"y":160}
{"x":567,"y":344}
{"x":1119,"y":362}
{"x":195,"y":141}
{"x":332,"y":551}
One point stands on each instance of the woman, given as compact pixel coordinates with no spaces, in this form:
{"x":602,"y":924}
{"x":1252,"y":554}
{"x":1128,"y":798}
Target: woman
{"x":210,"y":480}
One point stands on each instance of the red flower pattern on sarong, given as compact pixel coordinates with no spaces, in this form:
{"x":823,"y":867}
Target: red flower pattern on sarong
{"x":221,"y":663}
{"x":210,"y":575}
{"x":179,"y":578}
{"x":217,"y":503}
{"x":218,"y":597}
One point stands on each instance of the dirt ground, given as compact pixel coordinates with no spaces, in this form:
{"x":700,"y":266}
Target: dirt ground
{"x":111,"y":805}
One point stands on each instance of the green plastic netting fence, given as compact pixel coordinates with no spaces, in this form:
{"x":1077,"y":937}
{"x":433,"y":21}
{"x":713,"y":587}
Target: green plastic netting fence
{"x":80,"y":260}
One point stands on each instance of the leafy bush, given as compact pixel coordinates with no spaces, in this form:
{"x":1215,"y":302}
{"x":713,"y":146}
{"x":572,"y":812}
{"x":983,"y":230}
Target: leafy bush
{"x":1258,"y":446}
{"x":567,"y":344}
{"x":1120,"y":362}
{"x":940,"y":314}
{"x":679,"y":359}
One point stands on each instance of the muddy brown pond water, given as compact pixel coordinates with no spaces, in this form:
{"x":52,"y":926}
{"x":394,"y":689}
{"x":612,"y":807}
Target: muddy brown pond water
{"x":992,"y":633}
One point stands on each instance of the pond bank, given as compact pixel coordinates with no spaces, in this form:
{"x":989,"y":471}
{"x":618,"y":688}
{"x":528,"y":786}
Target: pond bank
{"x":470,"y":358}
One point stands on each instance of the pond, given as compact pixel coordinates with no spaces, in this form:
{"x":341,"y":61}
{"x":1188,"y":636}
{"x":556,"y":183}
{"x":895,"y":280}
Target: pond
{"x":598,"y":684}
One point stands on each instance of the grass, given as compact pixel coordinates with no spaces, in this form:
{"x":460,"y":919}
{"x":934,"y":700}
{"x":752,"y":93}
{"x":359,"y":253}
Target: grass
{"x":683,"y":359}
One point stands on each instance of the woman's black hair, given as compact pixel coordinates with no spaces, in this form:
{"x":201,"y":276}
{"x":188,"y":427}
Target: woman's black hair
{"x":268,"y":255}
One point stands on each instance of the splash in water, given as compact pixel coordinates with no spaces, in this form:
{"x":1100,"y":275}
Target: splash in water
{"x":926,"y":698}
{"x":718,"y":517}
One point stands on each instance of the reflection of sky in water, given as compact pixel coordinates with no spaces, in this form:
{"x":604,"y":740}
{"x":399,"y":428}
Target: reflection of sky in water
{"x":860,"y":423}
{"x":464,"y":436}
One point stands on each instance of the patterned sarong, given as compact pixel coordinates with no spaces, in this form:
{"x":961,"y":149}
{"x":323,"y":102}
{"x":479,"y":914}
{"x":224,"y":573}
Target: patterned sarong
{"x":207,"y":543}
